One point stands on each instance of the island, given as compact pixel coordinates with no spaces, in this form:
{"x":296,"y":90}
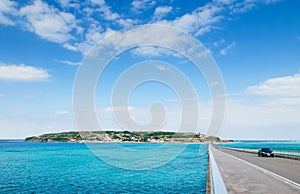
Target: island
{"x":123,"y":136}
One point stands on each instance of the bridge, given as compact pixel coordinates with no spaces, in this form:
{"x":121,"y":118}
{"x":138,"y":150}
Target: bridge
{"x":232,"y":171}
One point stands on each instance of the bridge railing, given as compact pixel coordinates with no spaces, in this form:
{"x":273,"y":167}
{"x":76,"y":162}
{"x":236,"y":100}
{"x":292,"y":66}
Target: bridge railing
{"x":287,"y":153}
{"x":216,"y":181}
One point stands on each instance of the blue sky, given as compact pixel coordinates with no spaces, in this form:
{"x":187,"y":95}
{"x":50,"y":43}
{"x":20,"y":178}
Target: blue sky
{"x":255,"y":43}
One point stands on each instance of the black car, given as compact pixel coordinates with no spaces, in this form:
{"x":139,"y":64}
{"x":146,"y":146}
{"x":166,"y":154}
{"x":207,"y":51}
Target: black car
{"x":265,"y":152}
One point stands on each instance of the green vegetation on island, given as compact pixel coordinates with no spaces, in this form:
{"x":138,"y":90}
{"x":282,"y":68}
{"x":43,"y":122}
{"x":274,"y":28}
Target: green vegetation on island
{"x":122,"y":136}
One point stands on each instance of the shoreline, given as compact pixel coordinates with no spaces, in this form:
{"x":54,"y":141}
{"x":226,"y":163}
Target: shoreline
{"x":110,"y":142}
{"x":100,"y":142}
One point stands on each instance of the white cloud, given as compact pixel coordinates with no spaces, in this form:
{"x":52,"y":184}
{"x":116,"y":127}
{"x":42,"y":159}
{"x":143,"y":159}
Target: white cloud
{"x":262,"y":119}
{"x":70,"y":47}
{"x":48,"y":22}
{"x":2,"y":95}
{"x":161,"y":12}
{"x":219,"y":42}
{"x":7,"y":9}
{"x":271,"y":1}
{"x":247,"y":5}
{"x":281,"y":86}
{"x":214,"y":83}
{"x":70,"y":62}
{"x":69,"y":3}
{"x":227,"y":48}
{"x":243,"y":6}
{"x":224,"y":1}
{"x":98,"y":2}
{"x":22,"y":73}
{"x":126,"y":22}
{"x":199,"y":21}
{"x":139,"y":5}
{"x":161,"y":67}
{"x":284,"y":102}
{"x":118,"y":108}
{"x":109,"y":15}
{"x":153,"y":51}
{"x":106,"y":10}
{"x":62,"y":112}
{"x":64,"y":3}
{"x":204,"y":30}
{"x":176,"y":44}
{"x":52,"y":24}
{"x":270,"y":112}
{"x":94,"y":34}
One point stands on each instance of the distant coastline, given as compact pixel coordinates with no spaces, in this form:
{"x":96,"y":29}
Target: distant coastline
{"x":124,"y":136}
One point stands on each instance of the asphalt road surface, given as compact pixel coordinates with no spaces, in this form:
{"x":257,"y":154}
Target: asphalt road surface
{"x":287,"y":168}
{"x":241,"y":177}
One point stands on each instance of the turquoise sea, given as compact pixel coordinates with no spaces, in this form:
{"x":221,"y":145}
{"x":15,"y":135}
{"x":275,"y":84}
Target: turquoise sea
{"x":72,"y":168}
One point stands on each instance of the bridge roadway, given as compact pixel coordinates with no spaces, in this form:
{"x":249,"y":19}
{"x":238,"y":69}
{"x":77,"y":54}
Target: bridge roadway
{"x":246,"y":173}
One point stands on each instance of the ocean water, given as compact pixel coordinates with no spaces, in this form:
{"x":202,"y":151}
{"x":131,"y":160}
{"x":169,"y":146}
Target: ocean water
{"x":72,"y":168}
{"x":292,"y":146}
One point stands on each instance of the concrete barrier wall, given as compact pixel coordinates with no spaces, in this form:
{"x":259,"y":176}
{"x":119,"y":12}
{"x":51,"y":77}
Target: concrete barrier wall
{"x":216,"y":182}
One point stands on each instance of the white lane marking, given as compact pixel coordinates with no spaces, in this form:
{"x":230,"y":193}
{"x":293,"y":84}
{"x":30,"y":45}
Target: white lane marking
{"x":278,"y":177}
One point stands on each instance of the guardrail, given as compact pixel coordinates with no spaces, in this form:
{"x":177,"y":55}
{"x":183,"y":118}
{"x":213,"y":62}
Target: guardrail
{"x":216,"y":181}
{"x":287,"y":153}
{"x":284,"y":153}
